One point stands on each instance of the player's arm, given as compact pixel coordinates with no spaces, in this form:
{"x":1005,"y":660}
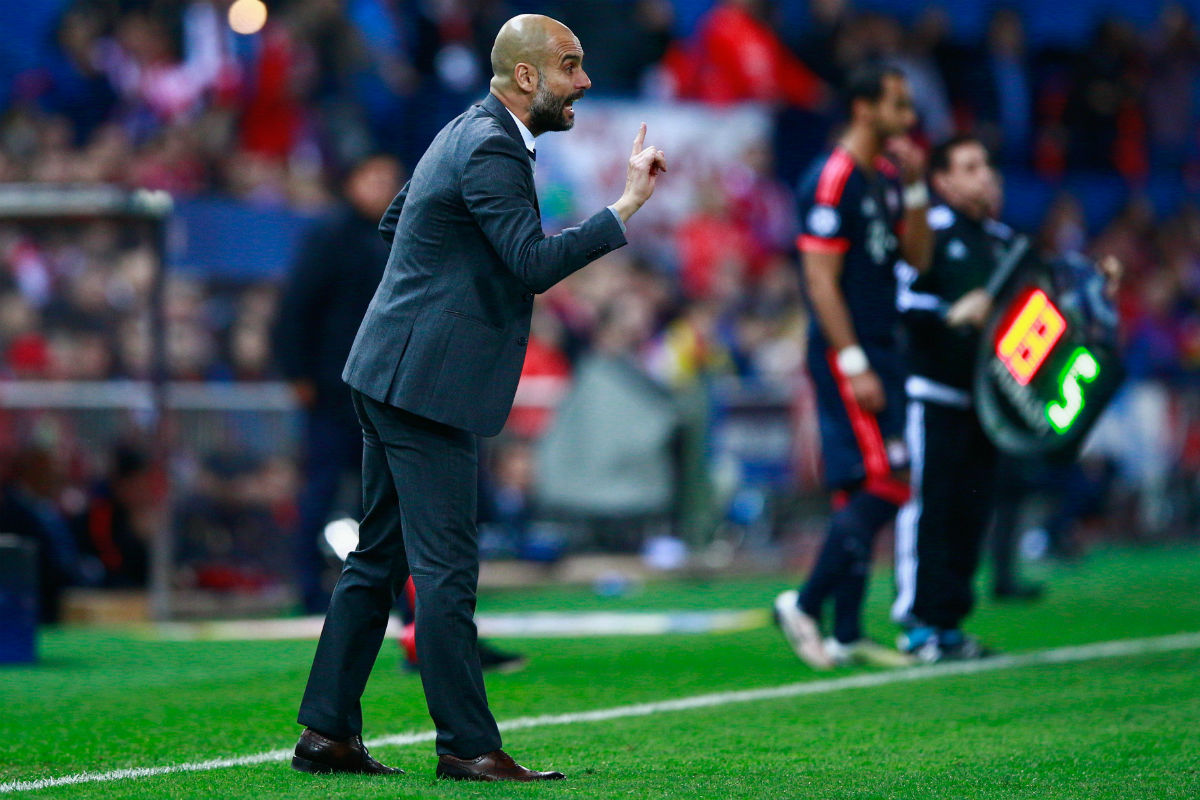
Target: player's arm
{"x":916,"y":237}
{"x":822,"y":274}
{"x":916,"y":240}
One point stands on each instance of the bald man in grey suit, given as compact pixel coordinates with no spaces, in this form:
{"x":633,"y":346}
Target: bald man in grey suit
{"x":435,"y":365}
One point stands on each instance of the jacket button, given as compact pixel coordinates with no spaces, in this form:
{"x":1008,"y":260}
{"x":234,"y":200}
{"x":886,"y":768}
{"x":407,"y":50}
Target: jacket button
{"x":522,"y":341}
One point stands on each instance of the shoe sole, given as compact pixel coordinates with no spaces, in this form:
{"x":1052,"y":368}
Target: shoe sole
{"x":446,"y":776}
{"x":449,"y":776}
{"x":820,"y":662}
{"x":302,"y":764}
{"x":895,"y":660}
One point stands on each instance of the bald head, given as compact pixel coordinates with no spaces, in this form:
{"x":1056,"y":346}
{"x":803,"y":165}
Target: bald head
{"x":529,"y":39}
{"x":537,"y":66}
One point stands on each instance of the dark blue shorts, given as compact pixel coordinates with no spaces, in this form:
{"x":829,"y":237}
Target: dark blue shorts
{"x":859,"y":448}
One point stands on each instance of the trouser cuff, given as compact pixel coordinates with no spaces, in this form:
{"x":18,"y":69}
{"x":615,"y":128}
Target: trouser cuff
{"x":327,"y":724}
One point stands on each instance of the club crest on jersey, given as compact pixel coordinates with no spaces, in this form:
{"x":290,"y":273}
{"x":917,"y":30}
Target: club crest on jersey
{"x":823,"y":221}
{"x":940,"y":218}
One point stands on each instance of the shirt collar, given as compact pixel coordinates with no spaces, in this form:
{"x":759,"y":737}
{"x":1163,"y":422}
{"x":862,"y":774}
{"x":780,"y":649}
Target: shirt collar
{"x":526,"y":136}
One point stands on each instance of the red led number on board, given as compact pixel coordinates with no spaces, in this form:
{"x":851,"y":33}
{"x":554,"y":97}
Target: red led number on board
{"x":1034,"y":331}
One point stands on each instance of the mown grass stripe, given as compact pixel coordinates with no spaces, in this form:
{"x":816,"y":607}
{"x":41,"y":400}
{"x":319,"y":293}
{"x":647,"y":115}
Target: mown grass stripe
{"x":1059,"y":655}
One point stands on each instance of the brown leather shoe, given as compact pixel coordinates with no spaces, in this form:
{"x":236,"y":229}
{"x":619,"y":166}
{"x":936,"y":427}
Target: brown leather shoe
{"x":318,"y":754}
{"x":494,"y":766}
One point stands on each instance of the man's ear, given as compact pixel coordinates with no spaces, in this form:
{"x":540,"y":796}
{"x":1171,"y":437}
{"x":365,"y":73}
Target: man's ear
{"x":526,"y":77}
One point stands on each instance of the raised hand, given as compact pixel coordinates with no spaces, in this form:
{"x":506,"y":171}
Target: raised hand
{"x":972,"y":308}
{"x":641,"y":176}
{"x":909,"y":157}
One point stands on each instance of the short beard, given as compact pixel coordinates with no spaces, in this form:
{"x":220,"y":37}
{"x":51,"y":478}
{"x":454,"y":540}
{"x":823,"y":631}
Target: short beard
{"x":546,"y":110}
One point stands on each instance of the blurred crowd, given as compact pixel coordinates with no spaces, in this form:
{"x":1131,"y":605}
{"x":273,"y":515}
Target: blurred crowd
{"x":162,"y":94}
{"x":75,"y":304}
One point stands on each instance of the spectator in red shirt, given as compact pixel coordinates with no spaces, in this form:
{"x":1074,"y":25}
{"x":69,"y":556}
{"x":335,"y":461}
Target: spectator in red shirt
{"x":736,"y":56}
{"x":716,"y":253}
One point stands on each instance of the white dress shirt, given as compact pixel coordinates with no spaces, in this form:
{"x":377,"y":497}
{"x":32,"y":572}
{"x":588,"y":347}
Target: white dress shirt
{"x":526,"y":136}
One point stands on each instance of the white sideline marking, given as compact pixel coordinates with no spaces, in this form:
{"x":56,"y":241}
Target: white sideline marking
{"x":491,"y":626}
{"x":1060,"y":655}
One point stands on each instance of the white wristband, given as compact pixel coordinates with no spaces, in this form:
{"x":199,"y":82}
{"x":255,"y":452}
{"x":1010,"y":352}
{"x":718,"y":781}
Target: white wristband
{"x":852,"y":361}
{"x":916,"y":195}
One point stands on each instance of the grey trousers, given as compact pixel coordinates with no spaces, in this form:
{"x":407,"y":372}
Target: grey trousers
{"x":419,"y":503}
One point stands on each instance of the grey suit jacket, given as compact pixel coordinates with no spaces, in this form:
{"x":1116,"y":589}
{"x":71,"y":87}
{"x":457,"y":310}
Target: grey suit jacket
{"x":445,"y":334}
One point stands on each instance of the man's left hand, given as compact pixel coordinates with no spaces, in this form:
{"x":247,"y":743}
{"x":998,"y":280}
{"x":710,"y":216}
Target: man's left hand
{"x":909,"y":156}
{"x":970,"y":309}
{"x":645,"y":165}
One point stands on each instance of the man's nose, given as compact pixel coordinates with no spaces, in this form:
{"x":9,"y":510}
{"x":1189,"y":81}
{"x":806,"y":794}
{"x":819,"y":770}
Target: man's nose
{"x":582,"y":80}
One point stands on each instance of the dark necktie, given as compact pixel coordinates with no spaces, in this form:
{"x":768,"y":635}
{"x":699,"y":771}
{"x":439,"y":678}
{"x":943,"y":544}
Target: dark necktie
{"x":536,"y":206}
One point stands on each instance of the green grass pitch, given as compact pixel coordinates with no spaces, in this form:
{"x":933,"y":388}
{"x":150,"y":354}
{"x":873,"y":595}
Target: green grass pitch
{"x":1126,"y":727}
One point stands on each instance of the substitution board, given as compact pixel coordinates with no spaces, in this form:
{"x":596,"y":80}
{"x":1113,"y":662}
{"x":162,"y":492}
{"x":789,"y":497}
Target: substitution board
{"x":1048,"y":363}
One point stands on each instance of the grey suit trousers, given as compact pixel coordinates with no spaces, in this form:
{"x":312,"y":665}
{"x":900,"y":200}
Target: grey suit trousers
{"x":419,"y":503}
